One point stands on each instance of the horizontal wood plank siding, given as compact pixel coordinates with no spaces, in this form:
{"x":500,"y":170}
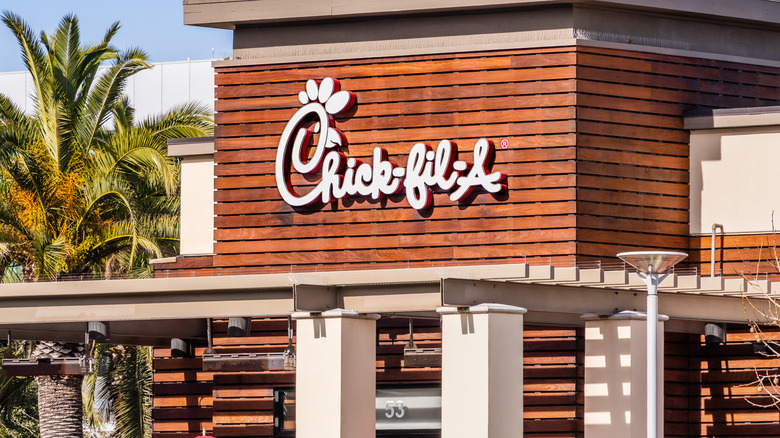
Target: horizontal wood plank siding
{"x":728,"y":404}
{"x":241,"y":404}
{"x":526,"y":97}
{"x":754,"y":256}
{"x":632,"y":150}
{"x":681,"y":397}
{"x":597,"y":161}
{"x":182,"y":402}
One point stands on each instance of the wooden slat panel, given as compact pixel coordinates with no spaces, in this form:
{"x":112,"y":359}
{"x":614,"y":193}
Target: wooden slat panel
{"x":288,"y":100}
{"x":624,"y":148}
{"x":630,"y":108}
{"x":526,"y":96}
{"x":380,"y":229}
{"x":725,"y":375}
{"x":243,"y":401}
{"x":746,"y":255}
{"x":406,"y":214}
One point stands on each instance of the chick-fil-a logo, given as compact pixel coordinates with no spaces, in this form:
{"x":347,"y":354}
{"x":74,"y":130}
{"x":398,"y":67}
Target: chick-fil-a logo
{"x":342,"y":176}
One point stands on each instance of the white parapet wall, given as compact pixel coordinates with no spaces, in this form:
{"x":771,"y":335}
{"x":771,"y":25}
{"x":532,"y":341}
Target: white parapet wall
{"x":197,"y":193}
{"x":151,"y":92}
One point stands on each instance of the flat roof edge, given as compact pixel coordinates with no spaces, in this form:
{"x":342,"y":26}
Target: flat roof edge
{"x":733,"y":118}
{"x":184,"y":147}
{"x":228,"y":14}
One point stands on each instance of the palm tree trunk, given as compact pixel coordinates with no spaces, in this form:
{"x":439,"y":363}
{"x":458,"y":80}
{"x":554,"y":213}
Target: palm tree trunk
{"x":59,"y":397}
{"x":59,"y":406}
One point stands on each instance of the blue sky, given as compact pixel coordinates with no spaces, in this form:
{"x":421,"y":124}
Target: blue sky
{"x":153,"y":25}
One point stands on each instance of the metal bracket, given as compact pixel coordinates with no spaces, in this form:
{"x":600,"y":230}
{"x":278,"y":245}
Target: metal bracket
{"x":48,"y":366}
{"x":422,"y":357}
{"x":247,"y":362}
{"x":315,"y":298}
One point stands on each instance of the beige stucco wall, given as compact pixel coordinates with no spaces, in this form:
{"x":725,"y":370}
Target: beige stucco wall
{"x":335,"y":379}
{"x":482,"y":370}
{"x":616,"y":375}
{"x":733,"y":178}
{"x":197,"y":205}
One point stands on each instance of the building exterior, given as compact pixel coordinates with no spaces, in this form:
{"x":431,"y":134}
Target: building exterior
{"x":151,"y":92}
{"x":421,"y":203}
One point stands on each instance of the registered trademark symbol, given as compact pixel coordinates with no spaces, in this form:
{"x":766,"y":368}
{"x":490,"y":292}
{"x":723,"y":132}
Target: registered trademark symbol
{"x":504,"y":144}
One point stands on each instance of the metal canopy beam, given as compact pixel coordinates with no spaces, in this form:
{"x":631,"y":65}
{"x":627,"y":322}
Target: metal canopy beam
{"x":155,"y":333}
{"x":573,"y":300}
{"x":381,"y":298}
{"x":147,"y":299}
{"x":315,"y":298}
{"x":60,"y":310}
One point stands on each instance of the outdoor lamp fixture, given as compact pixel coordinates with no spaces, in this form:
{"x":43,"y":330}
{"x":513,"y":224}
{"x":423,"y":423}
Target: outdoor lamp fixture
{"x":97,"y":331}
{"x":239,"y":326}
{"x":649,"y":265}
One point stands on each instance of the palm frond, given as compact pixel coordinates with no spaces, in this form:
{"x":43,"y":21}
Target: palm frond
{"x":18,"y":399}
{"x":124,"y":116}
{"x":140,"y":157}
{"x":107,"y":90}
{"x":95,"y":392}
{"x":33,"y":54}
{"x":50,"y":255}
{"x":183,"y":121}
{"x":131,"y":392}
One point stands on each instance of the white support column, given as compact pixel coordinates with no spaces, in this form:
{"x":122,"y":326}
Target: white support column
{"x":482,"y":371}
{"x":335,"y":379}
{"x":616,"y":375}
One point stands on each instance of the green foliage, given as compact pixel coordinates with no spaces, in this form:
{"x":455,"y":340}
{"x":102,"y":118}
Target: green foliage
{"x":79,"y":195}
{"x":120,"y":392}
{"x":86,"y":189}
{"x":18,"y":400}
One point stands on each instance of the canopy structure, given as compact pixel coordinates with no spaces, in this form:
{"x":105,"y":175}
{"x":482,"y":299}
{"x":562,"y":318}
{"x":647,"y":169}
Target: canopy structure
{"x":151,"y":311}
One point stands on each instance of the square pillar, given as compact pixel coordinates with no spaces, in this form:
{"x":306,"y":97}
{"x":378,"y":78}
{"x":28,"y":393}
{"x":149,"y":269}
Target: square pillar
{"x":335,"y":379}
{"x":482,"y":371}
{"x":616,"y":375}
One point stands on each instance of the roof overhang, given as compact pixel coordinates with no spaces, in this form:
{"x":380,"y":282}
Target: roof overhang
{"x":733,"y":118}
{"x":188,"y":147}
{"x":151,"y":311}
{"x":228,"y":14}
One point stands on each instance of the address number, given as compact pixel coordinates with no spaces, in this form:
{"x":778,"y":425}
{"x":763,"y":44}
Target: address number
{"x":395,"y":409}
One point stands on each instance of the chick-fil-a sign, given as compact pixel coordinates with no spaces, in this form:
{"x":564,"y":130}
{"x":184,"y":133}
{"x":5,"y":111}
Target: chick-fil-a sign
{"x":341,"y":177}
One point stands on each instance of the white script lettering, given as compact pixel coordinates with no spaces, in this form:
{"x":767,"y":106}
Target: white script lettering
{"x":342,"y":177}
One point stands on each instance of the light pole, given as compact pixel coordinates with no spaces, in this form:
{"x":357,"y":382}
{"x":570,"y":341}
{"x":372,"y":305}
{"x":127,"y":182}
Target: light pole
{"x":649,"y":265}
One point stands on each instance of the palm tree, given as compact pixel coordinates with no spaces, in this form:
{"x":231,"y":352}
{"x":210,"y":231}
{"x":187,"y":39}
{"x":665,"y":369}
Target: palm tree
{"x":83,"y":188}
{"x":18,"y":404}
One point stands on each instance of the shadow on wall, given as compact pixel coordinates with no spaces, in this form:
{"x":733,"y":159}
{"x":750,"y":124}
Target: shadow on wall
{"x":728,"y":399}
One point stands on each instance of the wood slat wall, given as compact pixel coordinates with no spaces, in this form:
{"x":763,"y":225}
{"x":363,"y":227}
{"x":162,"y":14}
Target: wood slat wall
{"x":632,"y":154}
{"x":553,"y":374}
{"x":681,"y":396}
{"x":526,"y":97}
{"x":738,"y":255}
{"x":707,"y":387}
{"x":182,"y":400}
{"x":597,"y":161}
{"x":242,"y":403}
{"x":721,"y":389}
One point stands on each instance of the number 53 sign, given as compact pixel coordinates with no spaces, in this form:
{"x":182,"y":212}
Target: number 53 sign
{"x":405,"y":408}
{"x":395,"y":409}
